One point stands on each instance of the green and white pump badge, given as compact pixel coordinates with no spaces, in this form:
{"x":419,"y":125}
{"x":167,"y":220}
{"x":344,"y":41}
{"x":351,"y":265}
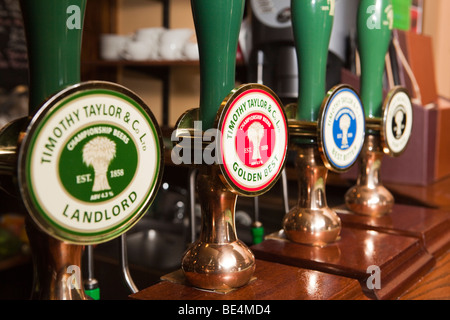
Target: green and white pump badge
{"x":90,"y":163}
{"x":254,"y":139}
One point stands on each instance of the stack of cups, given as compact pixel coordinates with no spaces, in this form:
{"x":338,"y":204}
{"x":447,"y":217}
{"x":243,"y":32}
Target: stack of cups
{"x":112,"y":46}
{"x":150,"y":44}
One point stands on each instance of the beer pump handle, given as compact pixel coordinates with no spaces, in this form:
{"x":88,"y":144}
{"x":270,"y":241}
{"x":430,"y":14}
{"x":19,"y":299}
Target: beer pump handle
{"x":257,"y":228}
{"x":54,"y":46}
{"x":312,"y":22}
{"x":217,"y":25}
{"x":375,"y":22}
{"x":257,"y":232}
{"x":91,"y":286}
{"x":54,"y":33}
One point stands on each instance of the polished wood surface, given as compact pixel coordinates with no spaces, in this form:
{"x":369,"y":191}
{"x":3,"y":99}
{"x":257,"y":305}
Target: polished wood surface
{"x":431,"y":226}
{"x":411,"y":245}
{"x":435,"y":285}
{"x":436,"y":195}
{"x":280,"y":282}
{"x":272,"y":281}
{"x":402,"y":260}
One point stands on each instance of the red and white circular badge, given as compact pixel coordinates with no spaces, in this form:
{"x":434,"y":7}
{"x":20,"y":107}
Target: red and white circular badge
{"x":254,"y":139}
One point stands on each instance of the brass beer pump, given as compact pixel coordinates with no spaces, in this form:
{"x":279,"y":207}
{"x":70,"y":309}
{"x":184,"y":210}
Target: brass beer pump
{"x":43,"y":156}
{"x":51,"y":257}
{"x":218,"y":260}
{"x":319,"y":127}
{"x":389,"y":122}
{"x":233,"y":120}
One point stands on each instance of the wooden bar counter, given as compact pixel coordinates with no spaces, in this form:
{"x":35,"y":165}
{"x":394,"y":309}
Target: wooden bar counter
{"x":272,"y":281}
{"x":289,"y":271}
{"x":413,"y":265}
{"x":411,"y":246}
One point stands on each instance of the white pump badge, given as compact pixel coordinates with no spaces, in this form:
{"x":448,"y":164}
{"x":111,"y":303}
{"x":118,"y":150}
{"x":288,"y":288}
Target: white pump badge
{"x":90,"y":162}
{"x":397,"y":121}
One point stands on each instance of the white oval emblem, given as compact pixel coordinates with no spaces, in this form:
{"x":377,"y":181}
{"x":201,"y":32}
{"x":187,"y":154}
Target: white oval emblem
{"x":90,"y":162}
{"x":254,"y":139}
{"x":397,"y":121}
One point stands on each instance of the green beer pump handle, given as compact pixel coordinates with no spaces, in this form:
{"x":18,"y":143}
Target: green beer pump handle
{"x":375,"y":23}
{"x":93,"y":293}
{"x":312,"y":21}
{"x":257,"y":233}
{"x":217,"y":25}
{"x":54,"y":32}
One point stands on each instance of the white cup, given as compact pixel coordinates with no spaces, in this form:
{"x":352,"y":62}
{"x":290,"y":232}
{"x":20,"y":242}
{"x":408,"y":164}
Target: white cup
{"x":112,"y":45}
{"x":172,"y":43}
{"x":136,"y":50}
{"x":190,"y":50}
{"x":150,"y":35}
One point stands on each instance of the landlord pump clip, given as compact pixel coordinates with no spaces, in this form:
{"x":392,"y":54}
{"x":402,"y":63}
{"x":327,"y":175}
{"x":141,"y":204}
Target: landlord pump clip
{"x":88,"y":163}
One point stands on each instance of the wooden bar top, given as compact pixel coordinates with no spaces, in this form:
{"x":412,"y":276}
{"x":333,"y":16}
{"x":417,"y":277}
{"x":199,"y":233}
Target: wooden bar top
{"x":402,"y":260}
{"x":272,"y":281}
{"x":431,"y":226}
{"x":435,"y":285}
{"x":435,"y":195}
{"x":275,"y":281}
{"x":411,"y":246}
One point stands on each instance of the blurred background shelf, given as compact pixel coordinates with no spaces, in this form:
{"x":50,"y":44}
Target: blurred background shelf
{"x":143,"y":63}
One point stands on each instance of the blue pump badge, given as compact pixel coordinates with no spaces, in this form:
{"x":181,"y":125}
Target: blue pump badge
{"x":341,"y":128}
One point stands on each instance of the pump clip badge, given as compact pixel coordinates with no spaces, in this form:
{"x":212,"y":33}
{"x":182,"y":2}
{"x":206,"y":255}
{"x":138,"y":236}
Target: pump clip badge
{"x":397,"y":121}
{"x":254,"y":139}
{"x":90,"y":163}
{"x":341,"y":128}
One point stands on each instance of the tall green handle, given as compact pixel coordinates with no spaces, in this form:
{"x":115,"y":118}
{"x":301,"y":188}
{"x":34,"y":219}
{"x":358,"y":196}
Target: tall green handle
{"x":54,"y":32}
{"x":217,"y":25}
{"x":312,"y":21}
{"x":375,"y":23}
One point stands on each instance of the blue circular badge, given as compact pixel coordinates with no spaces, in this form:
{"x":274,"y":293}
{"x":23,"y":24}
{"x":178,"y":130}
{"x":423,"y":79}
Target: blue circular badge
{"x":341,"y":128}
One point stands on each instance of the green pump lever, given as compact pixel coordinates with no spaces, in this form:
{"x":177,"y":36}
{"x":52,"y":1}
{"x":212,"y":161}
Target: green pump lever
{"x":54,"y":35}
{"x":217,"y":25}
{"x":375,"y":23}
{"x":54,"y":32}
{"x":312,"y":21}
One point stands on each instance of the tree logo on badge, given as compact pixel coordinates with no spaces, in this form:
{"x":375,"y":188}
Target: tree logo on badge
{"x":98,"y":163}
{"x":255,"y":140}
